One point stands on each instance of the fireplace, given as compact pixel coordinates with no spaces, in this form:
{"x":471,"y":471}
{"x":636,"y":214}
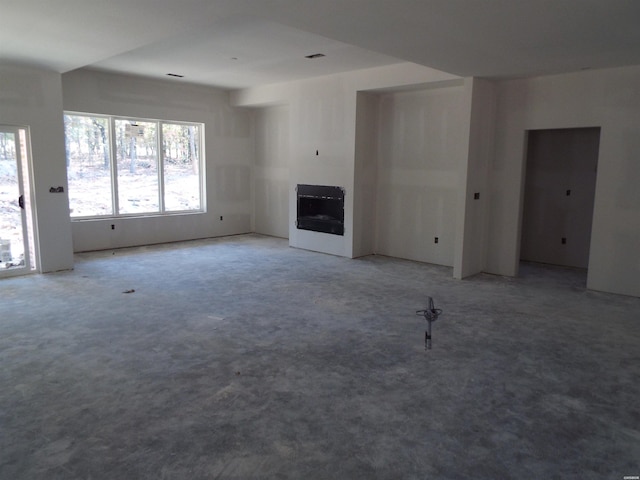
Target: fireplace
{"x":320,"y":209}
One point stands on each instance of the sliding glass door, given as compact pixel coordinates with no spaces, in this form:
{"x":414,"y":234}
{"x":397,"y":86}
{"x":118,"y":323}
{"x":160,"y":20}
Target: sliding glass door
{"x":17,"y":244}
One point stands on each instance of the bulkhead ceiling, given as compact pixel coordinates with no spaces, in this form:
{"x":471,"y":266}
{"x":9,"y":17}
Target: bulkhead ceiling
{"x":240,"y":43}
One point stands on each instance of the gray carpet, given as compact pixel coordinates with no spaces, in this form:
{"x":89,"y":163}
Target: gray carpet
{"x":242,"y":358}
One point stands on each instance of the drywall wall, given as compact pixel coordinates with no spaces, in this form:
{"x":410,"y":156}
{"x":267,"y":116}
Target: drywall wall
{"x":366,"y":174}
{"x":33,"y":98}
{"x":271,"y":171}
{"x":325,"y":148}
{"x":322,"y":152}
{"x":560,"y":186}
{"x":379,"y":79}
{"x":609,"y":99}
{"x":229,"y":151}
{"x":471,"y":232}
{"x":421,"y":150}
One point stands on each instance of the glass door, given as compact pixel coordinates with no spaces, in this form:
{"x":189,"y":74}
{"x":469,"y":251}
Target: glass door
{"x":16,"y":236}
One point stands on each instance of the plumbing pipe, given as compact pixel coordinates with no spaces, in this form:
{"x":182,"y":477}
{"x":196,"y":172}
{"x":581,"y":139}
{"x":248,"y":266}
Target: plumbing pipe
{"x":431,"y":314}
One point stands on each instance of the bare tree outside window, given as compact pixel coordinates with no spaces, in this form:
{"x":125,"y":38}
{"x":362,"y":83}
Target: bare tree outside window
{"x":88,"y":165}
{"x":137,"y":160}
{"x":181,"y":167}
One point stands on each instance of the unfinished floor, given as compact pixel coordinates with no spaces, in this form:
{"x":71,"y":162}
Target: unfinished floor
{"x":242,"y":358}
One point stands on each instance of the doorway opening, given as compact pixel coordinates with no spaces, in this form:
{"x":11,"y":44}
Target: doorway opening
{"x":559,"y":193}
{"x":17,"y":241}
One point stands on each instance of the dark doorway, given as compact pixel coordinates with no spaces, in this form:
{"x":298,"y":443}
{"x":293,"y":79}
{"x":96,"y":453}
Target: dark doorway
{"x":559,"y":194}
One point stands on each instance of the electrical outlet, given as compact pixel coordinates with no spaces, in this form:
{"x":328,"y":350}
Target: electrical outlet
{"x":220,"y":217}
{"x":476,"y":196}
{"x":435,"y":240}
{"x":113,"y":227}
{"x":564,"y":240}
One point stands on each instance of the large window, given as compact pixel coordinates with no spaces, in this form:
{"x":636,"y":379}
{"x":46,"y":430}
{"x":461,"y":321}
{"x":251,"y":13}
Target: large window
{"x":132,"y":166}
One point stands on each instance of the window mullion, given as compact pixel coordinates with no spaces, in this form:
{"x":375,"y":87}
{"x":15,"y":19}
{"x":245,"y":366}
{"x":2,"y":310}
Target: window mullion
{"x":160,"y":140}
{"x":114,"y":166}
{"x":201,"y":166}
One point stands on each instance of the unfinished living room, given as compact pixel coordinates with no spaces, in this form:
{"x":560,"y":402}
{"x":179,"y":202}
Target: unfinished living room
{"x":283,"y":239}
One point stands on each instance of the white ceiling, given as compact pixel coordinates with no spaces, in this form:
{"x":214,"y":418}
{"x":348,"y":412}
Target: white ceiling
{"x":240,"y":43}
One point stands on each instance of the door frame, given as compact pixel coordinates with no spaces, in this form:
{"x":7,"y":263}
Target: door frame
{"x":525,"y":160}
{"x":24,"y":172}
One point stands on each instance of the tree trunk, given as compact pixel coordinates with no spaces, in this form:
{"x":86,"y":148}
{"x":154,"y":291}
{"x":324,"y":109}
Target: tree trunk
{"x":105,"y":147}
{"x":132,"y":163}
{"x":192,"y":149}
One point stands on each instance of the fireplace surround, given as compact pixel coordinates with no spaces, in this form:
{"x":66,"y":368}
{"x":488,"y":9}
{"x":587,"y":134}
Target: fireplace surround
{"x":320,"y":208}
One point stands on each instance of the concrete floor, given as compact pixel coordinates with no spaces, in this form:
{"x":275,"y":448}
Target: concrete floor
{"x":241,"y":358}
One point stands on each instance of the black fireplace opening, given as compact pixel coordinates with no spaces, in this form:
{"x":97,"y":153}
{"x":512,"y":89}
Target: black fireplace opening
{"x":320,"y":209}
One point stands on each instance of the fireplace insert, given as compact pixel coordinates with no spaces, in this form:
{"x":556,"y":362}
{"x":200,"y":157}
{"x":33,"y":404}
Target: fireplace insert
{"x":320,"y":209}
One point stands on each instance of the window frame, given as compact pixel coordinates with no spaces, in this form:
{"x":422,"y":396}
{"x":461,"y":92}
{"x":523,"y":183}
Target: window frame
{"x":113,"y":166}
